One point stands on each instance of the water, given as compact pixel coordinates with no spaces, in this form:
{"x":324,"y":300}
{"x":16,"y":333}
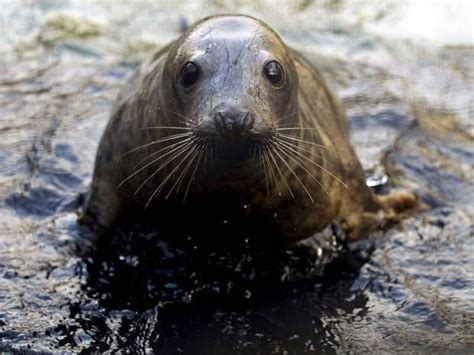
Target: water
{"x":410,"y":108}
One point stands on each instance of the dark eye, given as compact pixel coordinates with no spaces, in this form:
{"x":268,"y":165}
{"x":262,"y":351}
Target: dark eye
{"x":189,"y":74}
{"x":273,"y":72}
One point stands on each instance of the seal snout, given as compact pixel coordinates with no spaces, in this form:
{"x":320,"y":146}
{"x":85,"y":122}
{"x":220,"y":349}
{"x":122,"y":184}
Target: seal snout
{"x":232,"y":121}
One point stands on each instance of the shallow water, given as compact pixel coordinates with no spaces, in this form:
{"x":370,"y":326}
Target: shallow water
{"x":410,"y":109}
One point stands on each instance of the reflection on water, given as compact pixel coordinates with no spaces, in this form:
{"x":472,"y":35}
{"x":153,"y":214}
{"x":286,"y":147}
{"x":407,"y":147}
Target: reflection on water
{"x":410,"y":110}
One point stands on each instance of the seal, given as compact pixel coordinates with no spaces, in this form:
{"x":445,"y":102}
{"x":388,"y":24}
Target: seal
{"x":228,"y":118}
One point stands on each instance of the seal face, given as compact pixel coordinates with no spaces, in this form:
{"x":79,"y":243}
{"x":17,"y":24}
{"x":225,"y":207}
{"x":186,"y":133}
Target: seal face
{"x":232,"y":79}
{"x":228,"y":116}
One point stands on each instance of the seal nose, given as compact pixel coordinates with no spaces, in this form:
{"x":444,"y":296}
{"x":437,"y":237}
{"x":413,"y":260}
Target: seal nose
{"x":232,"y":120}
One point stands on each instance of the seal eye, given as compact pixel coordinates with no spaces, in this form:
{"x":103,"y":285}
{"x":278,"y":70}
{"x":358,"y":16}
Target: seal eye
{"x":273,"y":72}
{"x":189,"y":74}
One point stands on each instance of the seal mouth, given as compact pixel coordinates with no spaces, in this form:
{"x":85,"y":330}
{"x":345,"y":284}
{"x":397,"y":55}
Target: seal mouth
{"x":234,"y":134}
{"x":233,"y":128}
{"x":233,"y":146}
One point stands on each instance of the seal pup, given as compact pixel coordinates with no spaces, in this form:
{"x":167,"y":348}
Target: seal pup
{"x":228,"y":118}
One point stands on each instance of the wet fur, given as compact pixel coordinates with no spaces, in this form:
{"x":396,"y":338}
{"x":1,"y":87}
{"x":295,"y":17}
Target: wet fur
{"x":339,"y":194}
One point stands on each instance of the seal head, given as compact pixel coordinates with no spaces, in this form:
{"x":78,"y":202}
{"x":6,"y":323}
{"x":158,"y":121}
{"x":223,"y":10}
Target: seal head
{"x":232,"y":122}
{"x":232,"y":80}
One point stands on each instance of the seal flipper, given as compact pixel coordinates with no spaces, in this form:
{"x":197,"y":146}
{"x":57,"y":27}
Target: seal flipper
{"x":398,"y":202}
{"x":391,"y":209}
{"x":94,"y":213}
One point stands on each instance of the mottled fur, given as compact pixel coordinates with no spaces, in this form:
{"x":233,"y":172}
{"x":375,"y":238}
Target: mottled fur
{"x":303,"y":199}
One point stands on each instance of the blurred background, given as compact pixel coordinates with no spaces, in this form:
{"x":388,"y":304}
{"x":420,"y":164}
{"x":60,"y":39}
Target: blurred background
{"x":133,"y":27}
{"x":404,"y":71}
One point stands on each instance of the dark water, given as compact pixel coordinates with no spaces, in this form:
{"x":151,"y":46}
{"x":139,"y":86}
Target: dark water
{"x":410,"y":108}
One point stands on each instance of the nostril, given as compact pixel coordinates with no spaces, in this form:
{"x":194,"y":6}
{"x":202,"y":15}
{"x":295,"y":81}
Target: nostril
{"x":248,"y":121}
{"x":245,"y":119}
{"x":230,"y":118}
{"x":221,"y":120}
{"x":233,"y":121}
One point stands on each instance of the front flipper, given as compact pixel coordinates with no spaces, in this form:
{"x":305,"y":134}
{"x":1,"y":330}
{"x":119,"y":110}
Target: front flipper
{"x":389,"y":210}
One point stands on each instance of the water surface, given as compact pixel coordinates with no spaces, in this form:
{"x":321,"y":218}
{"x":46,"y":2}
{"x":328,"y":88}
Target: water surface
{"x":410,"y":109}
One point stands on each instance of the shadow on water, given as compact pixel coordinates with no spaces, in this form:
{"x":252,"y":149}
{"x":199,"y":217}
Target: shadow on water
{"x":210,"y":297}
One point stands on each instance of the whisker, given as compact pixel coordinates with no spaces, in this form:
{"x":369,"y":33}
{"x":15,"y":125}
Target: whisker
{"x":171,"y":146}
{"x":301,"y":140}
{"x":280,"y":172}
{"x":165,"y":180}
{"x":284,"y":125}
{"x":300,"y":163}
{"x":272,"y":171}
{"x":161,"y":140}
{"x":297,"y":128}
{"x":294,"y":174}
{"x":182,"y":179}
{"x":297,"y":147}
{"x":181,"y":175}
{"x":188,"y":119}
{"x":206,"y":158}
{"x":320,"y":167}
{"x":189,"y":124}
{"x":286,"y":116}
{"x":165,"y":163}
{"x":193,"y":175}
{"x":153,"y":161}
{"x":262,"y":162}
{"x":167,"y":127}
{"x":307,"y":149}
